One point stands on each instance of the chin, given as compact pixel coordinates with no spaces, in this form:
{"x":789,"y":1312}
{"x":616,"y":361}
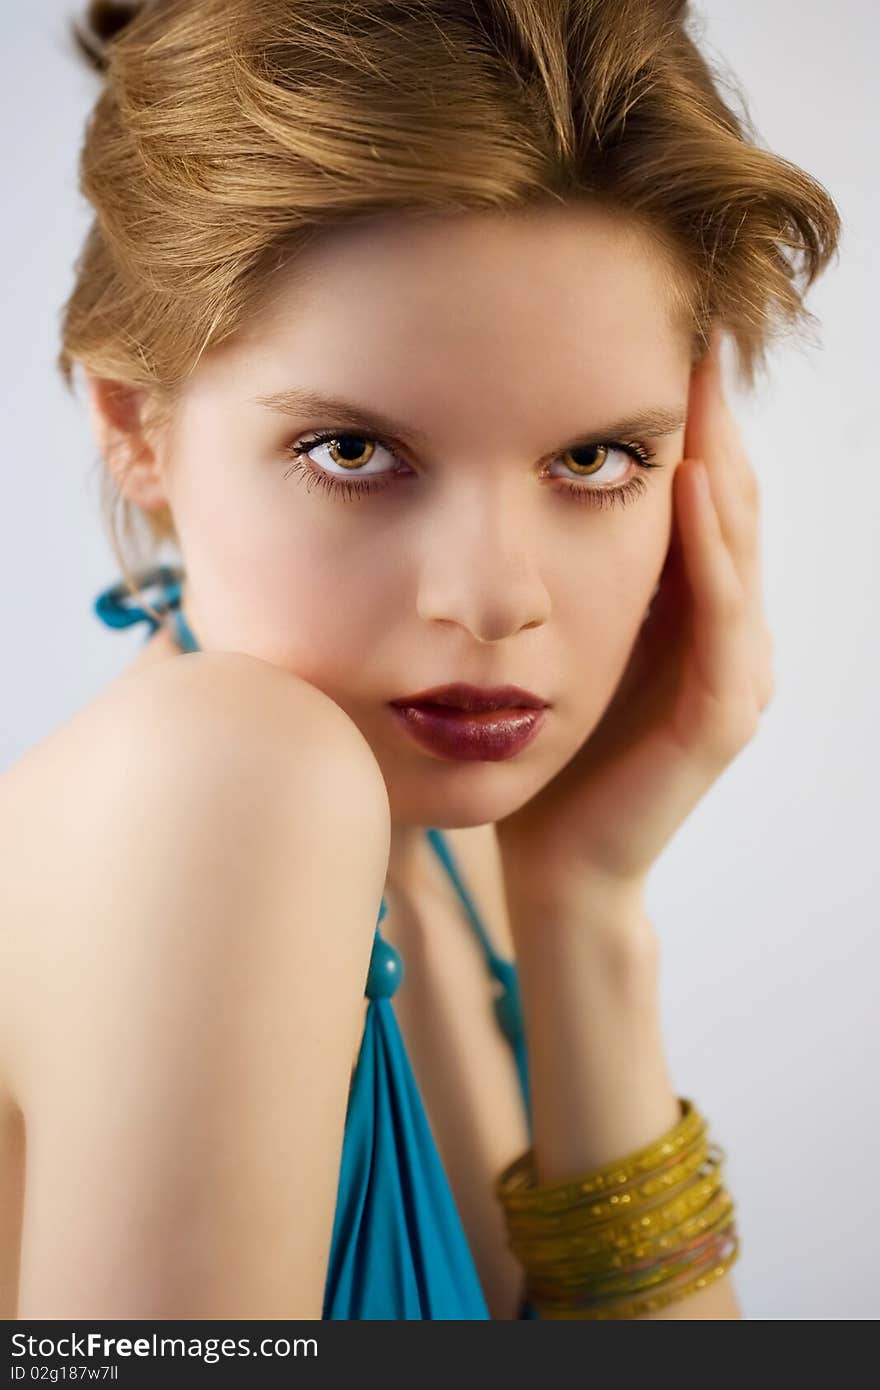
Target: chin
{"x":475,"y":794}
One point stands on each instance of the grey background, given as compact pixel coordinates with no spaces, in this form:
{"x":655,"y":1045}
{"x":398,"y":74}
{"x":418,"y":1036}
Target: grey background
{"x":766,"y":901}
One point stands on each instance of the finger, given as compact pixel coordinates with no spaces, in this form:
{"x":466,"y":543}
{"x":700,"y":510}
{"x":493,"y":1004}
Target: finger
{"x":714,"y":437}
{"x":736,"y":495}
{"x":751,"y":658}
{"x":699,"y":435}
{"x":720,"y":636}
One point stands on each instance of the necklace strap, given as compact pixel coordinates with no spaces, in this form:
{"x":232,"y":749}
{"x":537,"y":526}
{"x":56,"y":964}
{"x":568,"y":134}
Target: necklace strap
{"x":118,"y":607}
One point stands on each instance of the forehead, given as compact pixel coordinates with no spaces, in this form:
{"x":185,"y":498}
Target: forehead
{"x":570,"y":300}
{"x":543,"y":259}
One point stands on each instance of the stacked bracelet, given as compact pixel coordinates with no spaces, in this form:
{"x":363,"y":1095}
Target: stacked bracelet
{"x":631,"y":1237}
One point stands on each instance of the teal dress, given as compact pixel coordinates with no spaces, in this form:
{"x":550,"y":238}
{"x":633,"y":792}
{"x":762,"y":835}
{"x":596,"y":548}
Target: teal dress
{"x":398,"y":1249}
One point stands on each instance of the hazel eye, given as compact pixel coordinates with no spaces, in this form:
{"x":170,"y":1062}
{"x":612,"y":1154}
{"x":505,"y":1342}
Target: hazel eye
{"x":581,"y":460}
{"x":350,"y":453}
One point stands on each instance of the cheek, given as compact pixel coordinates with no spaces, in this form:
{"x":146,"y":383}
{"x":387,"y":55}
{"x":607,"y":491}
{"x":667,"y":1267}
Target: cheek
{"x":276,"y":575}
{"x":312,"y":606}
{"x":311,"y":613}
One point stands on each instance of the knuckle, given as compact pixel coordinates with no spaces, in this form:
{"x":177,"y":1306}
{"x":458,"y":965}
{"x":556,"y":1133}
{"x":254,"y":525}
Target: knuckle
{"x":732,"y":729}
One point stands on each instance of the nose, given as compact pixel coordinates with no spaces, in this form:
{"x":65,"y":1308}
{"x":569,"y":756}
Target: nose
{"x":478,"y":571}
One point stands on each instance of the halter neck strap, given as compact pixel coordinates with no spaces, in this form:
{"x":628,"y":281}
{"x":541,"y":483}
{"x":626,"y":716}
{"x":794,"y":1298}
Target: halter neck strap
{"x":118,"y":607}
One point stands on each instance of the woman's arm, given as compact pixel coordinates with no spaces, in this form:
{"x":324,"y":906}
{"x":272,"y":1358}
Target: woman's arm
{"x":600,"y":1086}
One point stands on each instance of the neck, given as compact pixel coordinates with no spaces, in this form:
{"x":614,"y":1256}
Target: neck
{"x":406,"y":857}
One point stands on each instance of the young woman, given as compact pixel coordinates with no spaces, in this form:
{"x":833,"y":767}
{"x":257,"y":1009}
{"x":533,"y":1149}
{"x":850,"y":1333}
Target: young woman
{"x":327,"y":984}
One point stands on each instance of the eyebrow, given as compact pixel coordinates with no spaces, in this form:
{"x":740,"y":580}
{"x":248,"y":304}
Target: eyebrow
{"x":653,"y":421}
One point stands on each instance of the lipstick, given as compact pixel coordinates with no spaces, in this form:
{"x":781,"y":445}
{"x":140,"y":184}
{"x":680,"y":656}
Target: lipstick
{"x":467,"y":723}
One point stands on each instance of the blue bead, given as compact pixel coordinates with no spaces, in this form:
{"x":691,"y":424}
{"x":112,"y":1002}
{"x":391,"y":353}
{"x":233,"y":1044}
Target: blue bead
{"x":508,"y":1007}
{"x":386,"y":970}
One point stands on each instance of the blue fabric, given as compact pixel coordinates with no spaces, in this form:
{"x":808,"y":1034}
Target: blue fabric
{"x":398,"y":1248}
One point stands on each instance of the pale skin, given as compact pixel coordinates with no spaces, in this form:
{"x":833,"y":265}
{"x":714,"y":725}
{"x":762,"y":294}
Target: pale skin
{"x":472,"y":563}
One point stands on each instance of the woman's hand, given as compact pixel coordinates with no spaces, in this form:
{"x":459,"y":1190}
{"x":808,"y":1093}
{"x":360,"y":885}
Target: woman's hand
{"x":691,"y":695}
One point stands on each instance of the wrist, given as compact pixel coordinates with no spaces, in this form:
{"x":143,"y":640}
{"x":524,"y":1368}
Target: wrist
{"x":607,"y":919}
{"x":561,"y":897}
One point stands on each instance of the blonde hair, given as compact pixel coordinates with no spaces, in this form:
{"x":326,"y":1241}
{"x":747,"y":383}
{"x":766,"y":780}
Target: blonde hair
{"x":228,"y":132}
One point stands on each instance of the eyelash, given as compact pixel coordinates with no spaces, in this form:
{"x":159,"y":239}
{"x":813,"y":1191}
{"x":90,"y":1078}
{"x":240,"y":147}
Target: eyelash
{"x":619,"y":495}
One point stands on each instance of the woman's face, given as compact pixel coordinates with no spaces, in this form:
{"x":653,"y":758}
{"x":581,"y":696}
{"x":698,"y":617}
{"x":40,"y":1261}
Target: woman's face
{"x":499,"y":350}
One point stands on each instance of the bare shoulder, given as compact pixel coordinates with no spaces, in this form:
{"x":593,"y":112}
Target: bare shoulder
{"x":180,"y":703}
{"x":222,"y":703}
{"x":161,"y":752}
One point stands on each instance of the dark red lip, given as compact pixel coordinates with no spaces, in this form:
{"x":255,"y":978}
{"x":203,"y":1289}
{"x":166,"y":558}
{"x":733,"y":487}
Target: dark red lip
{"x":474,"y":698}
{"x":469,"y":735}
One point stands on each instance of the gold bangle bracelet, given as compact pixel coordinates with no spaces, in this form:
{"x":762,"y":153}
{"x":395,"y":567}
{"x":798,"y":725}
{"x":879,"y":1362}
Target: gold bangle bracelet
{"x":637,"y":1308}
{"x":515,"y":1185}
{"x":625,"y":1233}
{"x":595,"y":1213}
{"x":630,"y":1237}
{"x":628,"y":1249}
{"x":635,"y":1226}
{"x":625,"y":1284}
{"x":628,"y":1273}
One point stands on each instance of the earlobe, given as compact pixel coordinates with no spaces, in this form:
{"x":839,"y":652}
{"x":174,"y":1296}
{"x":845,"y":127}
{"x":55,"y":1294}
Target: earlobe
{"x":116,"y":410}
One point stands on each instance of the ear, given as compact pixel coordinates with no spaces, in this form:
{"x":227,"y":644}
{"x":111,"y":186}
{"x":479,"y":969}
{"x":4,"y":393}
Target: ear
{"x":132,"y":451}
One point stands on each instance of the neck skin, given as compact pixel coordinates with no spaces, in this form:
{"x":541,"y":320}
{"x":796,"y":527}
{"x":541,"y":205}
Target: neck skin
{"x":406,"y":859}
